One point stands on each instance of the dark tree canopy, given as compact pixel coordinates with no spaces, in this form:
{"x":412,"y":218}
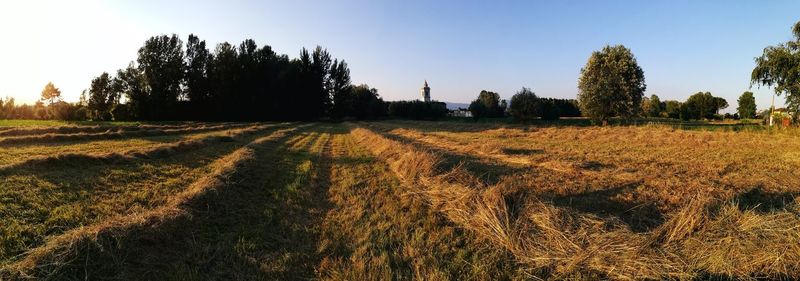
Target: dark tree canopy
{"x":198,"y":66}
{"x":747,"y":105}
{"x":359,"y":102}
{"x":161,"y":62}
{"x":525,"y":105}
{"x":611,"y":84}
{"x":779,"y":67}
{"x":101,"y":94}
{"x":487,"y":105}
{"x":339,"y":85}
{"x":672,"y":109}
{"x":702,"y":105}
{"x":232,"y":83}
{"x":655,"y":107}
{"x":417,"y":110}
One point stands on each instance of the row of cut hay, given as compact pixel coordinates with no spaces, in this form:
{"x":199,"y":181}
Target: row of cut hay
{"x":723,"y":163}
{"x":159,"y":151}
{"x":115,"y":135}
{"x":11,"y":132}
{"x":705,"y":238}
{"x":60,"y":253}
{"x":484,"y":150}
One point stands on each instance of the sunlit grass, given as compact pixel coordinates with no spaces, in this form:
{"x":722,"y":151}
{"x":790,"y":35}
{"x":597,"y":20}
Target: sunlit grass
{"x":409,"y":200}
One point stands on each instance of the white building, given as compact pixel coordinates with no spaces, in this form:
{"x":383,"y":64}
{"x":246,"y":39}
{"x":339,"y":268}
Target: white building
{"x":426,"y":92}
{"x":461,"y":112}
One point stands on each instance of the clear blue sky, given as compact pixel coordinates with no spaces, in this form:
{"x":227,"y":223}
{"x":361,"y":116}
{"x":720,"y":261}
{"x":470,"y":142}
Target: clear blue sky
{"x":461,"y":47}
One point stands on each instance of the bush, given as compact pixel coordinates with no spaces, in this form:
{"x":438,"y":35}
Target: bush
{"x":478,"y":109}
{"x":525,"y":105}
{"x":487,"y":105}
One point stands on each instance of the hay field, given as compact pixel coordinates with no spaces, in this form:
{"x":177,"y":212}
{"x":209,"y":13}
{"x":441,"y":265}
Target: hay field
{"x":396,"y":200}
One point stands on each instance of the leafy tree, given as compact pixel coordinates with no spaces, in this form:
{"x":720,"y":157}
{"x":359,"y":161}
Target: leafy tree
{"x":100,"y":93}
{"x":611,"y":84}
{"x":487,"y":105}
{"x":224,"y":78}
{"x":242,"y":83}
{"x":132,"y":83}
{"x":478,"y":109}
{"x":361,"y":102}
{"x":198,"y":63}
{"x":719,"y":103}
{"x":525,"y":105}
{"x":319,"y":94}
{"x":703,"y":105}
{"x":655,"y":108}
{"x":51,"y":93}
{"x":747,"y":105}
{"x":672,"y":109}
{"x":340,"y":88}
{"x":645,"y":110}
{"x":161,"y":60}
{"x":779,"y":67}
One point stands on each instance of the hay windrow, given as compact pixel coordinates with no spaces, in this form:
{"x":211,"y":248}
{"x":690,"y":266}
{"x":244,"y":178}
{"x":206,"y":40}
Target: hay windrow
{"x":128,"y":156}
{"x":54,"y":137}
{"x":705,"y":237}
{"x":45,"y":261}
{"x":10,"y":132}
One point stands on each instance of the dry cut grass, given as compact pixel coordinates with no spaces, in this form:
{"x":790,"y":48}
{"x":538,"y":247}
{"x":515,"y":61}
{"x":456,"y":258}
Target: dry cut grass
{"x":112,"y":134}
{"x":697,"y":238}
{"x":57,"y":255}
{"x":397,"y":201}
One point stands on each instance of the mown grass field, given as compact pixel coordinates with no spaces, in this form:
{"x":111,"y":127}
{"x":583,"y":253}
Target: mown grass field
{"x":396,"y":200}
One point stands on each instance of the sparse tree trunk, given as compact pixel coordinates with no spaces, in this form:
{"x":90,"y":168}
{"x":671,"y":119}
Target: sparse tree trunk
{"x":605,"y":122}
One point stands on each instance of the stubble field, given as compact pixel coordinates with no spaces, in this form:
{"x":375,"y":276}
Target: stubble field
{"x":396,"y":200}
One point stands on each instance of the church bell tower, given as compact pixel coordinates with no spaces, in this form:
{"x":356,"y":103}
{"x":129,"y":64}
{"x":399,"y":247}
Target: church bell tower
{"x":426,"y":92}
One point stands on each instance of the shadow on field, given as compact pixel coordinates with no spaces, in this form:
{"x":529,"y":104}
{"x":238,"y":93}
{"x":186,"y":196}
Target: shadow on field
{"x":521,"y":151}
{"x":488,"y":172}
{"x":462,"y":126}
{"x":64,"y":195}
{"x":764,"y":202}
{"x":640,"y":217}
{"x":259,"y":225}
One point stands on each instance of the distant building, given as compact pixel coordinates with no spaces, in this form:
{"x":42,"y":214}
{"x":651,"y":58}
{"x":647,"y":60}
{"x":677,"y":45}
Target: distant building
{"x":426,"y":92}
{"x":461,"y":112}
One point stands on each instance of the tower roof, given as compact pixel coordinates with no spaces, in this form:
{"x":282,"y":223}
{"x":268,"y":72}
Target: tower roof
{"x":426,"y":82}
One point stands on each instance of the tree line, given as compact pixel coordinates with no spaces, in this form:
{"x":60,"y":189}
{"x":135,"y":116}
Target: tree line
{"x":612,"y":84}
{"x":170,"y":80}
{"x":232,"y":83}
{"x":173,"y":80}
{"x":524,"y":106}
